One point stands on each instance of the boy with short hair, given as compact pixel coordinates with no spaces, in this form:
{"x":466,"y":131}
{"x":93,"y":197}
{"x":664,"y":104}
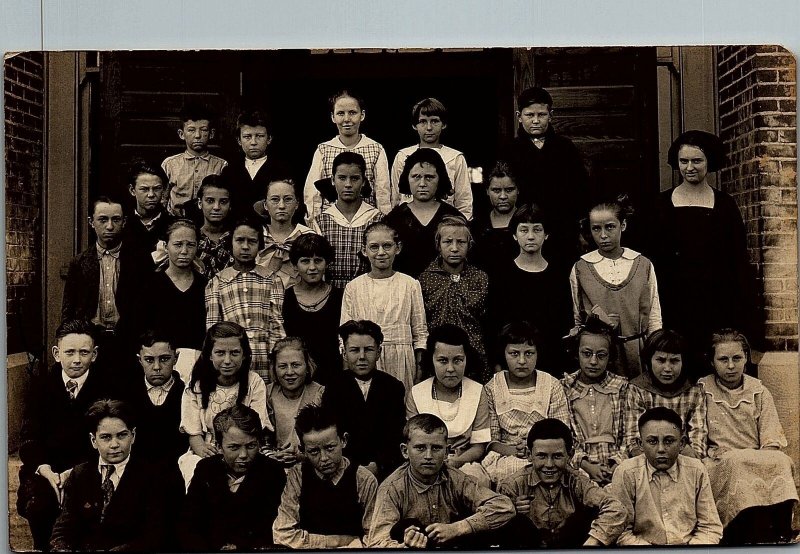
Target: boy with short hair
{"x":214,"y":202}
{"x":185,"y":171}
{"x":425,"y":503}
{"x":667,"y":495}
{"x":149,"y":221}
{"x":328,"y":501}
{"x":429,"y":119}
{"x":564,"y":508}
{"x":234,"y":495}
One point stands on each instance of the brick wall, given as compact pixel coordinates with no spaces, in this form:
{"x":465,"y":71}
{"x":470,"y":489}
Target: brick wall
{"x":24,"y":133}
{"x":758,"y":123}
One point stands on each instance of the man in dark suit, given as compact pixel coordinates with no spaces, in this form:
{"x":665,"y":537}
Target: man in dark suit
{"x":117,"y":502}
{"x":148,"y":222}
{"x":53,"y":436}
{"x":368,"y":404}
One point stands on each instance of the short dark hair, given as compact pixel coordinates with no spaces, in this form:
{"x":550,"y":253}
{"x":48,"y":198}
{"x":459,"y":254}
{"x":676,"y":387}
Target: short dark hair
{"x":315,"y":418}
{"x":246,"y":221}
{"x":619,"y":205}
{"x":102,"y":409}
{"x":215,"y":181}
{"x":346,"y":93}
{"x":151,"y":336}
{"x":142,"y":167}
{"x":253,"y":118}
{"x":361,"y":327}
{"x":710,"y":144}
{"x":104,"y":200}
{"x":550,"y":428}
{"x":427,"y":423}
{"x":500,"y":169}
{"x":76,"y":327}
{"x":309,"y":245}
{"x":241,"y":416}
{"x":664,"y":340}
{"x":196,"y":112}
{"x":660,"y":413}
{"x":426,"y":156}
{"x":528,"y":213}
{"x":429,"y":107}
{"x":534,"y":95}
{"x":451,"y":335}
{"x":517,"y":332}
{"x":353,"y":158}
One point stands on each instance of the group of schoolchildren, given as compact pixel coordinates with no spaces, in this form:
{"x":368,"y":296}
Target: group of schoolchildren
{"x":353,"y":378}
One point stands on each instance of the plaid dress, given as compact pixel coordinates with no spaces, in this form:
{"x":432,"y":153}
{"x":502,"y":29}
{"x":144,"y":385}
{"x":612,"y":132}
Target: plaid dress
{"x":214,"y":255}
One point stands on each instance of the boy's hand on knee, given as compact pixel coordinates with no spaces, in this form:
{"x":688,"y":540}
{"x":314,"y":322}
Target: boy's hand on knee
{"x":414,"y":538}
{"x":445,"y":532}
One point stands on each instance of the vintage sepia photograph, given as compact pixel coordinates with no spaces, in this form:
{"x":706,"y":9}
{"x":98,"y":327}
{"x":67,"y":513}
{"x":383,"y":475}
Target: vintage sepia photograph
{"x":468,"y":298}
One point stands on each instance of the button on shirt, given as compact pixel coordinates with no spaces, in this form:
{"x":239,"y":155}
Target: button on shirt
{"x":186,"y":172}
{"x":107,"y":314}
{"x":158,"y":394}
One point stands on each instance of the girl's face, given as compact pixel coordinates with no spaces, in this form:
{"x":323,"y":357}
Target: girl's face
{"x":666,"y":367}
{"x":381,"y":249}
{"x":449,"y":364}
{"x":692,"y":164}
{"x":453,"y":245}
{"x":215,"y":204}
{"x":244,"y":244}
{"x":521,"y":359}
{"x":182,"y":247}
{"x":606,"y":230}
{"x":530,"y":237}
{"x":291,"y":369}
{"x":423,"y":181}
{"x":729,"y":363}
{"x":347,"y":115}
{"x":227,"y":356}
{"x":593,"y":354}
{"x":348,"y":181}
{"x":281,"y":202}
{"x":311,"y":269}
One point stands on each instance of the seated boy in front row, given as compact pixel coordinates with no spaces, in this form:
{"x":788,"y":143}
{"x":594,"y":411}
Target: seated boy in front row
{"x":328,"y":501}
{"x":563,"y":508}
{"x":667,"y":495}
{"x":235,"y":494}
{"x":425,"y":503}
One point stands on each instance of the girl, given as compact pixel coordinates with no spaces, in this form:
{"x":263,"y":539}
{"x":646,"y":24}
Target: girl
{"x":312,"y":307}
{"x":518,"y":396}
{"x":454,"y":291}
{"x":281,"y":229}
{"x":221,"y":378}
{"x":425,"y":178}
{"x":247,"y":294}
{"x":292,"y":390}
{"x":457,"y":400}
{"x":751,"y":479}
{"x":391,"y":299}
{"x":214,"y":201}
{"x":343,"y":223}
{"x":617,"y":284}
{"x":665,"y":383}
{"x":347,"y":113}
{"x":597,"y":403}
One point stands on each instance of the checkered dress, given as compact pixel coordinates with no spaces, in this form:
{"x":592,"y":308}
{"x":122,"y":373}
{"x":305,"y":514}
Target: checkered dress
{"x":214,"y":255}
{"x":347,"y":241}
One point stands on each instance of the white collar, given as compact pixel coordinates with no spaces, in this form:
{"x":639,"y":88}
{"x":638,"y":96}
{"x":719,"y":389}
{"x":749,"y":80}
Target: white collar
{"x":80,"y":380}
{"x":166,"y":386}
{"x":119,"y":468}
{"x":364,"y":213}
{"x":596,"y":257}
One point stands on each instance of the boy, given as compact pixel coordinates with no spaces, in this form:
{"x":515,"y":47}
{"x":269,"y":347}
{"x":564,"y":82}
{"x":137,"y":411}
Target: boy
{"x":667,"y":495}
{"x":369,"y":404}
{"x":494,"y":241}
{"x":234,"y":495}
{"x":186,"y":170}
{"x":564,"y":508}
{"x":426,"y":503}
{"x":149,"y":221}
{"x":328,"y":501}
{"x":53,"y":440}
{"x":113,"y":504}
{"x":429,"y":119}
{"x":214,"y":201}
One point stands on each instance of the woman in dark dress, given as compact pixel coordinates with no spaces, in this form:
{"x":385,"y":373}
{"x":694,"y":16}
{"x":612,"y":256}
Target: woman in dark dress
{"x":425,"y":178}
{"x":700,"y":249}
{"x":312,"y":307}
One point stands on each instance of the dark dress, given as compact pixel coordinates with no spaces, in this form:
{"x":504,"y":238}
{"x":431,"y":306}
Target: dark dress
{"x":318,"y":330}
{"x":419,"y":248}
{"x":704,"y":275}
{"x":494,"y":246}
{"x":181,"y":313}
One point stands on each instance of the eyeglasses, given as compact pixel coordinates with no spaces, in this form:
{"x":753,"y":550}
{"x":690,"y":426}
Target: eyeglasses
{"x":374,"y":247}
{"x":588,"y":354}
{"x":275,"y":200}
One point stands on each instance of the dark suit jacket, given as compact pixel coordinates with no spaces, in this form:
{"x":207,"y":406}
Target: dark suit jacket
{"x":247,"y":191}
{"x":136,"y":517}
{"x":140,"y":237}
{"x":213,"y":516}
{"x":374,"y":425}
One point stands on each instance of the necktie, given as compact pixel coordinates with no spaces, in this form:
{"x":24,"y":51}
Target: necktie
{"x":72,"y":386}
{"x":107,"y":487}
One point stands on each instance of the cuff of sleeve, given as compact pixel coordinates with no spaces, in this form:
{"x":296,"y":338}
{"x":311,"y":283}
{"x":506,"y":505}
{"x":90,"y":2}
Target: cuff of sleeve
{"x":477,"y":523}
{"x":599,"y":536}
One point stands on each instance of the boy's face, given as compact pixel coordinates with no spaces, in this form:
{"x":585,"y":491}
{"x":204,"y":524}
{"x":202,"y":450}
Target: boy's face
{"x":661,"y":442}
{"x":425,"y":453}
{"x":323,"y":450}
{"x":157,"y":361}
{"x":502,"y":194}
{"x":75,"y":353}
{"x":254,"y":141}
{"x":535,"y":119}
{"x":239,"y":449}
{"x":429,"y":128}
{"x":196,"y":135}
{"x":108,"y":221}
{"x":215,"y":204}
{"x":113,"y":440}
{"x":549,"y":458}
{"x":361,"y":354}
{"x":244,"y":245}
{"x":148,"y":191}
